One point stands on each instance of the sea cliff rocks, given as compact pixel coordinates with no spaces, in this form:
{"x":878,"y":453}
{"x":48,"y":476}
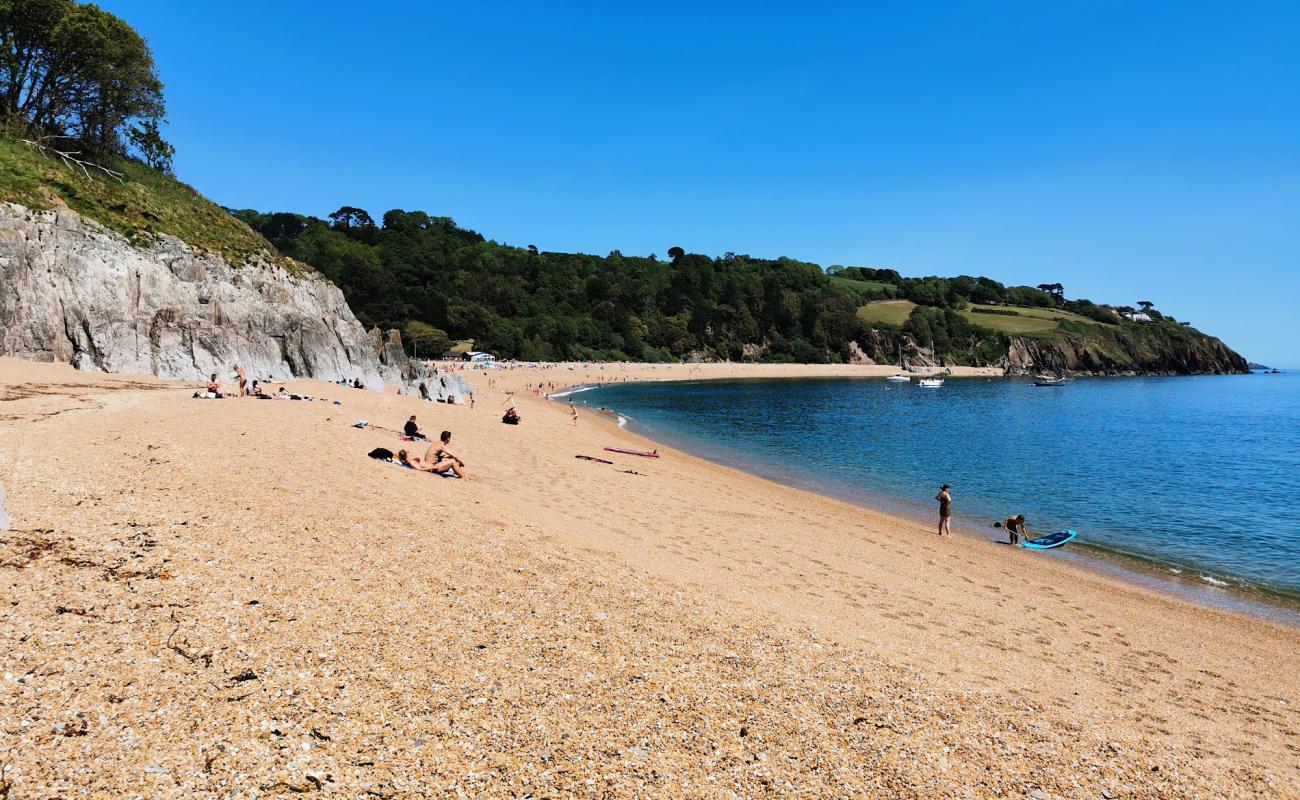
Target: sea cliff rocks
{"x":72,"y":290}
{"x":1155,"y":352}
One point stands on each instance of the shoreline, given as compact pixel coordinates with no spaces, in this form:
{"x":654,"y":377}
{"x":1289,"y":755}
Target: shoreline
{"x":219,"y":583}
{"x":1186,"y":582}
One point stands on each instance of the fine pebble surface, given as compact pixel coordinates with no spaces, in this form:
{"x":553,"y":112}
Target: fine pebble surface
{"x":229,"y":599}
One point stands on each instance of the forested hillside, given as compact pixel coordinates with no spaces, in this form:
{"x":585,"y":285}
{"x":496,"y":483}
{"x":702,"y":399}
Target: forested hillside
{"x":437,"y":282}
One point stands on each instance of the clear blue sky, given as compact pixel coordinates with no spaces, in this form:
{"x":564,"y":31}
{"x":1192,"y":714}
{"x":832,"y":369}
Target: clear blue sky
{"x":1127,"y":150}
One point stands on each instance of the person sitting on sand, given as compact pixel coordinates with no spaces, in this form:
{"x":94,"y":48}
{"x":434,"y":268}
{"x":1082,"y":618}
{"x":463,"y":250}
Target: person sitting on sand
{"x":441,"y":460}
{"x":1015,"y":527}
{"x":411,"y":429}
{"x":212,"y":391}
{"x":945,"y":510}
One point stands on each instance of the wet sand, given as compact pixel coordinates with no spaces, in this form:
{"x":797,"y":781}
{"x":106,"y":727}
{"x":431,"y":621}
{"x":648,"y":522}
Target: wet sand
{"x":227,"y":598}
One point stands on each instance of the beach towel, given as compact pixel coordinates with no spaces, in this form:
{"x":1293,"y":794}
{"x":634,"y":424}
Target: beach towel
{"x":448,"y":474}
{"x":382,"y":453}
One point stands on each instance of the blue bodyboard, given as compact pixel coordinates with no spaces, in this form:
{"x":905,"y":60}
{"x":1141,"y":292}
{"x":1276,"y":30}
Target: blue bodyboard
{"x":1049,"y":541}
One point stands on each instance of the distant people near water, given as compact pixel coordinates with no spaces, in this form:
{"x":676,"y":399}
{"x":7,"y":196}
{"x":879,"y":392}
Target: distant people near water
{"x":945,"y":510}
{"x":243,"y":380}
{"x":411,"y":429}
{"x":1015,"y":527}
{"x":573,"y":413}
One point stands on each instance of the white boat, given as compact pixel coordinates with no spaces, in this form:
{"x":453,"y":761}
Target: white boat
{"x":898,"y":378}
{"x":1048,"y":380}
{"x":930,"y":383}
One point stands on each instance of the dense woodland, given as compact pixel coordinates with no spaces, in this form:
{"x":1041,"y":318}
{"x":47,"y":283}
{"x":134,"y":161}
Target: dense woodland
{"x":438,"y":282}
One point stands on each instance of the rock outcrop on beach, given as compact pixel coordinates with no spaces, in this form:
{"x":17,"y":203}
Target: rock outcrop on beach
{"x":72,"y":290}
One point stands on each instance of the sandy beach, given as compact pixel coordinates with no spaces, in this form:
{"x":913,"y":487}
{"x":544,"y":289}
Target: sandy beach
{"x":229,"y":599}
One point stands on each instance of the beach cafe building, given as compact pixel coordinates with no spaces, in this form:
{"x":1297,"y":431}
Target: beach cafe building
{"x":479,"y":357}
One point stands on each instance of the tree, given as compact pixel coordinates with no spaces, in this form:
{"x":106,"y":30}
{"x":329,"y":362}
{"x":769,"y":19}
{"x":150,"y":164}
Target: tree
{"x":676,"y":253}
{"x":77,"y":70}
{"x":348,"y":219}
{"x":425,"y":340}
{"x":1056,"y":290}
{"x":1146,"y":305}
{"x":152,"y":148}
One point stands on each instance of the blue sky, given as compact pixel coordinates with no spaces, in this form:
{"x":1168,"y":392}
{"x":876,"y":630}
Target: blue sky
{"x":1126,"y":150}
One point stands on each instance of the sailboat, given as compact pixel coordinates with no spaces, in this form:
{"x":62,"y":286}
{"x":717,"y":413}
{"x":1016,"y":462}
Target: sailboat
{"x":899,"y":377}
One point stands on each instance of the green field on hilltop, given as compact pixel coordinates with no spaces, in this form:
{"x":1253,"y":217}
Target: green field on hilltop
{"x":146,"y":202}
{"x":886,"y":312}
{"x":866,"y":290}
{"x":1025,"y":321}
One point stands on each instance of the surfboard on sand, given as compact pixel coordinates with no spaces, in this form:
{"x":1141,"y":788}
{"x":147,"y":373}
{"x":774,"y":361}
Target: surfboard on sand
{"x":626,"y":452}
{"x":1049,"y":541}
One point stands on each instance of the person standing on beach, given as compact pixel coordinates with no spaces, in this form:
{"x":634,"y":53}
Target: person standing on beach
{"x":573,"y":413}
{"x":945,"y":510}
{"x":243,"y":380}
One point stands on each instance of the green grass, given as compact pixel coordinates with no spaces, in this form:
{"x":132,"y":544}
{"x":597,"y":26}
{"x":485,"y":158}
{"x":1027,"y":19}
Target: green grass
{"x":148,"y":203}
{"x":868,"y":289}
{"x":1025,"y":322}
{"x":886,"y":312}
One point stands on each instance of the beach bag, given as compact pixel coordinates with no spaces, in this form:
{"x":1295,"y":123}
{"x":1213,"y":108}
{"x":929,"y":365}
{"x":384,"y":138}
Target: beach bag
{"x":382,"y":453}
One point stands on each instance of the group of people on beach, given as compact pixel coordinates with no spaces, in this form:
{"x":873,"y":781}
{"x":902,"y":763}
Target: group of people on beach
{"x":212,"y":389}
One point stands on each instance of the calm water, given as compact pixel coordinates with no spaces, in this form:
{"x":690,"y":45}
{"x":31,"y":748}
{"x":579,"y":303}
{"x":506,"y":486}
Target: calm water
{"x":1199,"y":476}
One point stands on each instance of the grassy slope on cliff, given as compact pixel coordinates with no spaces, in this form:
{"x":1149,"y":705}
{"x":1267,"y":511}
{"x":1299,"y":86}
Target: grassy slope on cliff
{"x":147,"y":203}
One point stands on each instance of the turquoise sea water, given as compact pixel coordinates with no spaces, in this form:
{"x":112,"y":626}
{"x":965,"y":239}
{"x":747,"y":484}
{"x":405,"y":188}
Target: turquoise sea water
{"x":1194,"y":476}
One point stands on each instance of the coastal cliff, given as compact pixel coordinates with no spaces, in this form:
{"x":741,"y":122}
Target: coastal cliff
{"x":1164,"y":348}
{"x":1157,"y":350}
{"x":75,"y":291}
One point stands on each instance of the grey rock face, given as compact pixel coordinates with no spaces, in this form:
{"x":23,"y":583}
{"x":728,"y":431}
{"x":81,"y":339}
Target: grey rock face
{"x":74,"y":291}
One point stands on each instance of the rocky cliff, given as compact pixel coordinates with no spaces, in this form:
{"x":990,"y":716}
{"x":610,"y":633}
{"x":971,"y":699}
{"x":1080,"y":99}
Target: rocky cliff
{"x":1163,"y":348}
{"x":72,"y":290}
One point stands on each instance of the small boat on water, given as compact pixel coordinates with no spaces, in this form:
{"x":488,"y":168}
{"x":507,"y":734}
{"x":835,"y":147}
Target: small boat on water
{"x":930,"y":383}
{"x":898,"y":378}
{"x":1048,"y":380}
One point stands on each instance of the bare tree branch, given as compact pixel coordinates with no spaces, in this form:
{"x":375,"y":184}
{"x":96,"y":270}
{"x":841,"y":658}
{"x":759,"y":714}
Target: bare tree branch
{"x":70,"y":159}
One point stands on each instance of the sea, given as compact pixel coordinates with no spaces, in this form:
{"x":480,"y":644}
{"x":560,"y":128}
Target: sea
{"x":1191,"y":484}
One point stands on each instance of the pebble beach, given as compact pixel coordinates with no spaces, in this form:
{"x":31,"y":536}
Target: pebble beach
{"x":227,"y":598}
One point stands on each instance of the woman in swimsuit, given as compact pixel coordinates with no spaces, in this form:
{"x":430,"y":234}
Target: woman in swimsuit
{"x":945,"y":510}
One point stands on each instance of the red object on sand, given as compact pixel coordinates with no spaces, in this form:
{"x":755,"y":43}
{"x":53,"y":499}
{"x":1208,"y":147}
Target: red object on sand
{"x":632,"y":452}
